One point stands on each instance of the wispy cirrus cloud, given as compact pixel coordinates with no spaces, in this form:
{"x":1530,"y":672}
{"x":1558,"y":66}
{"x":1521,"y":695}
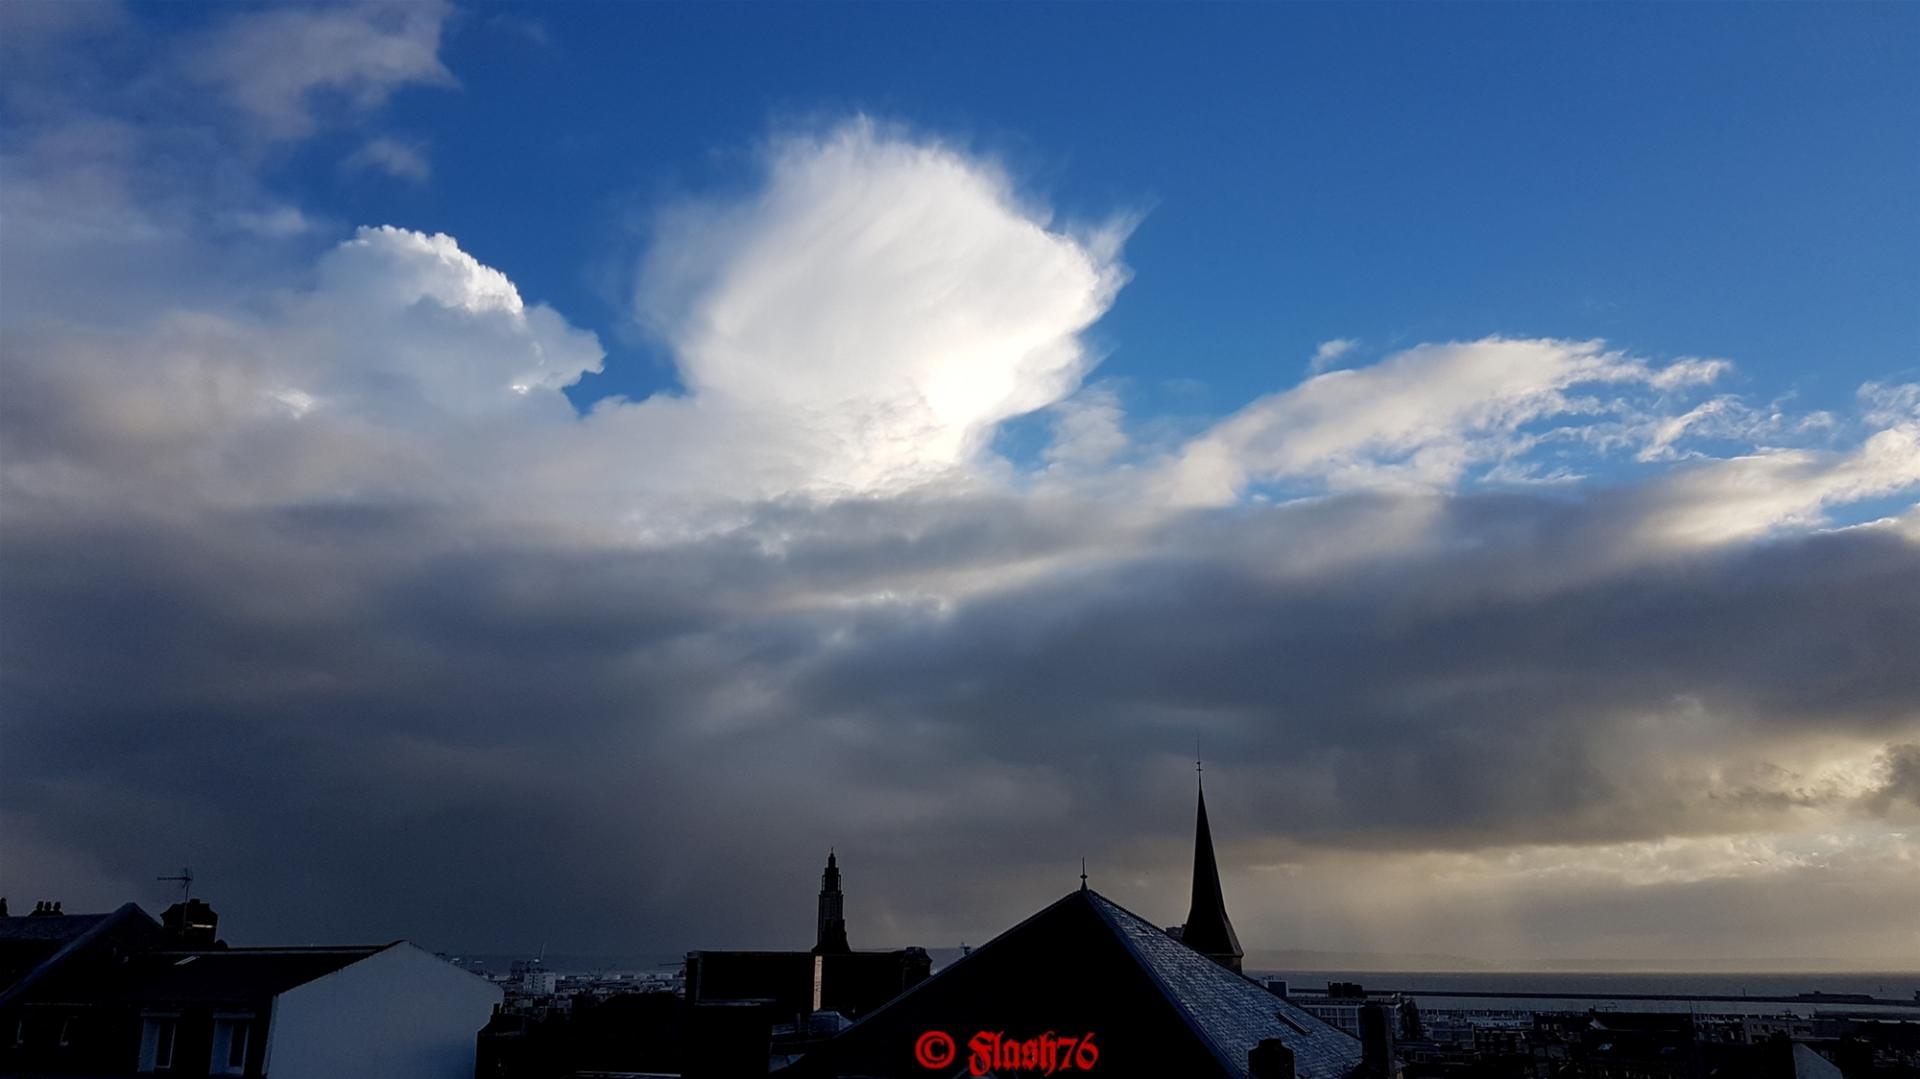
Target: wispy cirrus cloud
{"x":1422,"y":417}
{"x":1330,"y":353}
{"x":282,"y":67}
{"x":394,"y":157}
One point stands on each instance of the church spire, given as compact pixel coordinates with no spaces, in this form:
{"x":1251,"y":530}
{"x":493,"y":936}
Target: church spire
{"x":831,"y":934}
{"x":1208,"y":930}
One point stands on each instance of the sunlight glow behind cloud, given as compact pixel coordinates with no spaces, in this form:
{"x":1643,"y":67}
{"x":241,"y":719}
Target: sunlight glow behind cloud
{"x":884,"y":301}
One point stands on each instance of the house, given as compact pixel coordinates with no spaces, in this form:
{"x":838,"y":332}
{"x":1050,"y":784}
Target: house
{"x":121,"y":995}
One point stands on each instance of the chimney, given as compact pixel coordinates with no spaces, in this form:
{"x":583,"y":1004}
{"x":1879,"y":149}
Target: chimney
{"x":1271,"y":1059}
{"x":1376,"y":1042}
{"x":192,"y":923}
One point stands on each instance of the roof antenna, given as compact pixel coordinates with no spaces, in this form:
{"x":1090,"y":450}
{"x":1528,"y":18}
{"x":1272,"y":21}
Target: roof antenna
{"x":1083,"y":874}
{"x":184,"y":879}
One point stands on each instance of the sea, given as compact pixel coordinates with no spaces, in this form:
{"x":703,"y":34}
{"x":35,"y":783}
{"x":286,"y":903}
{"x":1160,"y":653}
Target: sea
{"x":1887,"y":986}
{"x":1895,"y":994}
{"x":1898,"y":985}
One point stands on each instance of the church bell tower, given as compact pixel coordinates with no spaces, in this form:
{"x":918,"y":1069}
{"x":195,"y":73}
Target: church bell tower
{"x":831,"y":934}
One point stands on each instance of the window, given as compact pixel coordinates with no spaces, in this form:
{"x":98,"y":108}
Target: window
{"x":230,"y":1045}
{"x":156,"y":1043}
{"x":163,"y":1053}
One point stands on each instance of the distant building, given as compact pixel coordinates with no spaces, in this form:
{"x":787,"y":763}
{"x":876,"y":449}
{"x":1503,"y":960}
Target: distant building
{"x":1668,"y":1045}
{"x":531,"y":980}
{"x":119,"y":994}
{"x":797,"y":984}
{"x":1755,"y":1029}
{"x":794,"y":985}
{"x":830,"y":938}
{"x":1342,"y":1003}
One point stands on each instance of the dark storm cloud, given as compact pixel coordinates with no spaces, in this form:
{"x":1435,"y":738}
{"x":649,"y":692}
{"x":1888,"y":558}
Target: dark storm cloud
{"x":630,"y":728}
{"x":1443,"y":707}
{"x":1902,"y":782}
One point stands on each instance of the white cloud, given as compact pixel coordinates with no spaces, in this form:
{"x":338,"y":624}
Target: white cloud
{"x":1329,"y":353}
{"x":277,"y":65}
{"x":876,"y":308}
{"x":278,"y":222}
{"x":1684,"y":373}
{"x":1887,"y":405}
{"x":1708,"y":414}
{"x":401,"y":160}
{"x":400,"y":314}
{"x":858,"y":324}
{"x":1743,"y":498}
{"x":1419,"y":418}
{"x":524,"y":27}
{"x":1089,"y":430}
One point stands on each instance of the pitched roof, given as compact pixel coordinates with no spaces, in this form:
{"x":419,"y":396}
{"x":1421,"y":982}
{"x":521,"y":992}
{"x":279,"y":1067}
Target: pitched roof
{"x":1086,"y":965}
{"x":223,"y":975}
{"x":1230,"y":1011}
{"x":28,"y":942}
{"x":33,"y":947}
{"x":47,"y":927}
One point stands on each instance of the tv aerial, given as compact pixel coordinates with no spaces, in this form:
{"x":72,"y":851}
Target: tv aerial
{"x":184,"y":879}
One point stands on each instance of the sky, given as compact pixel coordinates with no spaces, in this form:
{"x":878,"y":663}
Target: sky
{"x":515,"y":476}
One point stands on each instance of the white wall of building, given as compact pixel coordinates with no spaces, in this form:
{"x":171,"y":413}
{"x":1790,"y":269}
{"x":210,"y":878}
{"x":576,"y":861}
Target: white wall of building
{"x":1808,"y":1064}
{"x":398,"y":1014}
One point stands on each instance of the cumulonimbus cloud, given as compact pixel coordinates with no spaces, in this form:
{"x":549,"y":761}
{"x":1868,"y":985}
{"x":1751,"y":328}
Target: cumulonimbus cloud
{"x":884,"y":301}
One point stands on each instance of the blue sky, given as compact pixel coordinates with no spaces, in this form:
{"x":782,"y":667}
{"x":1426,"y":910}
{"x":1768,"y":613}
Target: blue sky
{"x":462,"y":436}
{"x":1701,"y":180}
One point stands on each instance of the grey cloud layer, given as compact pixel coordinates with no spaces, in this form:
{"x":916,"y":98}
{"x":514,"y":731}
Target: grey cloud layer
{"x":239,"y":683}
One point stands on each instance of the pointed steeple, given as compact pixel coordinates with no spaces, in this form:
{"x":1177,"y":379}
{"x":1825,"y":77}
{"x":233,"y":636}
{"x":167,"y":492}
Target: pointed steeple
{"x":1208,"y":930}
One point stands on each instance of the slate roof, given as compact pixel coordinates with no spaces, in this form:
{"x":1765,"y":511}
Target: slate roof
{"x":1084,"y":964}
{"x":32,"y":947}
{"x":47,"y":927}
{"x":26,"y":943}
{"x":1231,"y":1012}
{"x":213,"y":976}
